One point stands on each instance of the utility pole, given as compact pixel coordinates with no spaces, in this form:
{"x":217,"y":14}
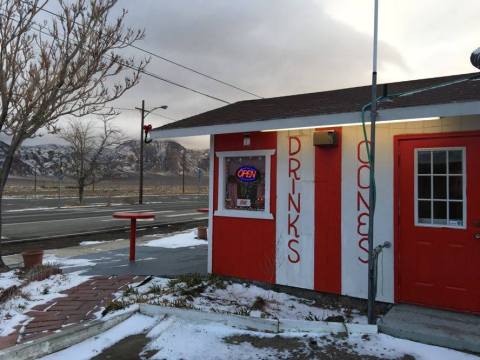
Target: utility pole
{"x":144,"y":114}
{"x":372,"y":189}
{"x":183,"y":171}
{"x":34,"y":175}
{"x":140,"y":192}
{"x":60,"y":178}
{"x":35,"y":181}
{"x":199,"y":179}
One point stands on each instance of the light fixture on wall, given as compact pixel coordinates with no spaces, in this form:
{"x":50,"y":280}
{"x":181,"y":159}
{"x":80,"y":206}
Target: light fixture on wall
{"x":246,"y":140}
{"x":475,"y":58}
{"x":325,"y":138}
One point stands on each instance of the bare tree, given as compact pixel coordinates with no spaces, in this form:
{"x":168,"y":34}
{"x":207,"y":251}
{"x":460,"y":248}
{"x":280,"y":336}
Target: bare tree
{"x":66,"y":65}
{"x":89,"y":152}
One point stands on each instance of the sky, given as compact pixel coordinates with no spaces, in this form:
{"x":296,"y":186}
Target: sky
{"x":282,"y":47}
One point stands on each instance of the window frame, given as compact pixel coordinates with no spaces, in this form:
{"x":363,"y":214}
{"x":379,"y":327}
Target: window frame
{"x":249,"y":214}
{"x":447,"y":199}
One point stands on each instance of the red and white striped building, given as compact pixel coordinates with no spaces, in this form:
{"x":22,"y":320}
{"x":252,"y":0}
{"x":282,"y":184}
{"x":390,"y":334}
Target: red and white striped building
{"x":289,"y":192}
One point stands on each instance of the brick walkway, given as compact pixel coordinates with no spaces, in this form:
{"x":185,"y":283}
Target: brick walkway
{"x":80,"y":304}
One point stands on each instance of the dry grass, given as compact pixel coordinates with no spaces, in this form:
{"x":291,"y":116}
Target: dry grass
{"x":9,"y":293}
{"x":42,"y":272}
{"x":110,"y":188}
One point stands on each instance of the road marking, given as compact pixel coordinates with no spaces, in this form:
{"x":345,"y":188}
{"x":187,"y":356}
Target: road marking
{"x":108,"y":218}
{"x":185,"y":214}
{"x":53,"y":220}
{"x":63,"y":213}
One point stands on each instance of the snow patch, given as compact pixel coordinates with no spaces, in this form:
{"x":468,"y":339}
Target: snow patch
{"x":179,"y":339}
{"x":177,"y":241}
{"x":8,"y":279}
{"x":66,"y":263}
{"x":183,"y":340}
{"x":389,"y":347}
{"x":245,"y":298}
{"x":87,"y":243}
{"x":87,"y":349}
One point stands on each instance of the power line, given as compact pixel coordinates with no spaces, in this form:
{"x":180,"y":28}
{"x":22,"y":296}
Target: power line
{"x":176,"y":63}
{"x":148,"y":73}
{"x":142,"y":71}
{"x":150,"y":112}
{"x":195,"y":71}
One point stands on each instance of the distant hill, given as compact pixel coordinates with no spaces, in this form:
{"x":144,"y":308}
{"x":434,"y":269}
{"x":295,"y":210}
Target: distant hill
{"x":161,"y":157}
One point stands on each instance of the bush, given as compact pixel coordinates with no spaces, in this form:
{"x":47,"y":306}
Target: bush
{"x":190,"y":280}
{"x":155,"y":289}
{"x":114,"y":305}
{"x":216,"y":282}
{"x":129,"y":290}
{"x":9,"y":293}
{"x":42,"y":272}
{"x":259,"y":304}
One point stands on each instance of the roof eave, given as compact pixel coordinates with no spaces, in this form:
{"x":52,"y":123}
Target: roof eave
{"x":324,"y":120}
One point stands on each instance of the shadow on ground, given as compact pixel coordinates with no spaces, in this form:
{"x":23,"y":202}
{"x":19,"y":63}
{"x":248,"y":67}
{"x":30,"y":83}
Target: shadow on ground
{"x":149,"y":261}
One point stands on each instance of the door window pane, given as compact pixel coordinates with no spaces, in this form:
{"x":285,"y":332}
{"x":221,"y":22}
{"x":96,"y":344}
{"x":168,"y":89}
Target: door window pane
{"x":456,"y":213}
{"x":439,"y":212}
{"x":440,"y":187}
{"x":424,"y":162}
{"x":455,"y":162}
{"x":424,"y":187}
{"x":439,"y":162}
{"x":424,"y":212}
{"x":455,"y":187}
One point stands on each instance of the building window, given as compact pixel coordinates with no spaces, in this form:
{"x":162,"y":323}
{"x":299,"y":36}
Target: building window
{"x":244,"y":184}
{"x":440,"y":187}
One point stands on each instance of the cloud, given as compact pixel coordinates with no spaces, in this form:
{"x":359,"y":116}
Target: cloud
{"x":269,"y":47}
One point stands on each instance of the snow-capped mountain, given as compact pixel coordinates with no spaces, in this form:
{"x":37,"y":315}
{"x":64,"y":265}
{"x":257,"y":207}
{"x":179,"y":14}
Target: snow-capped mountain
{"x":161,"y":157}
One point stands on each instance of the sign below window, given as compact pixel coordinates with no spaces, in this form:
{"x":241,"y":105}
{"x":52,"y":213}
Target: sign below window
{"x":247,"y":174}
{"x":244,"y":202}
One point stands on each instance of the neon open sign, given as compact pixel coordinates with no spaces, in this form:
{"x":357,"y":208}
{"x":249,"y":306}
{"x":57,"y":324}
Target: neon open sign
{"x":247,"y":174}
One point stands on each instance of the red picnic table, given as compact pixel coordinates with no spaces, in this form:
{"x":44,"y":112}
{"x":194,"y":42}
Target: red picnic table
{"x":133,"y":226}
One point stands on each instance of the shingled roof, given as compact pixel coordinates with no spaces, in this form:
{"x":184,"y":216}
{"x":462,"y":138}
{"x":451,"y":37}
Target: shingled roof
{"x":333,"y":102}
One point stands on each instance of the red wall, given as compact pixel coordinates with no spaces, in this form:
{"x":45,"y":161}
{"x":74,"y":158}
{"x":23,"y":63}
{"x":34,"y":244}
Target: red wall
{"x":328,"y":182}
{"x":245,"y":248}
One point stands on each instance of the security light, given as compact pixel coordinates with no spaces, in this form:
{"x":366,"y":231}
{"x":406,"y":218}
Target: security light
{"x":475,"y":58}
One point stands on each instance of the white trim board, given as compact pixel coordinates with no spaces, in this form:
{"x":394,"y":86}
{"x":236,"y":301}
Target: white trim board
{"x":210,"y":203}
{"x":324,"y":120}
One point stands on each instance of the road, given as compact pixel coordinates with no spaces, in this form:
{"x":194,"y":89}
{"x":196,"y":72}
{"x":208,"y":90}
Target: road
{"x":34,"y":218}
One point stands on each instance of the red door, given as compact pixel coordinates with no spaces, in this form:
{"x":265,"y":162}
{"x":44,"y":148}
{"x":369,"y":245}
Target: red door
{"x":438,"y":221}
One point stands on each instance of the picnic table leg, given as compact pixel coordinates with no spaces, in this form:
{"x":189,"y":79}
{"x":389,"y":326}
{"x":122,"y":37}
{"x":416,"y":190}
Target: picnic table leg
{"x":133,"y":234}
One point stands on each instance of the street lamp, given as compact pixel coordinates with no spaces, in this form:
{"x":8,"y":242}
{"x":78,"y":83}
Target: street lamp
{"x":144,"y":114}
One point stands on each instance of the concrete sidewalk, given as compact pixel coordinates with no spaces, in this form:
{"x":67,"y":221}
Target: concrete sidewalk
{"x":430,"y":326}
{"x":149,"y":261}
{"x":111,"y":258}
